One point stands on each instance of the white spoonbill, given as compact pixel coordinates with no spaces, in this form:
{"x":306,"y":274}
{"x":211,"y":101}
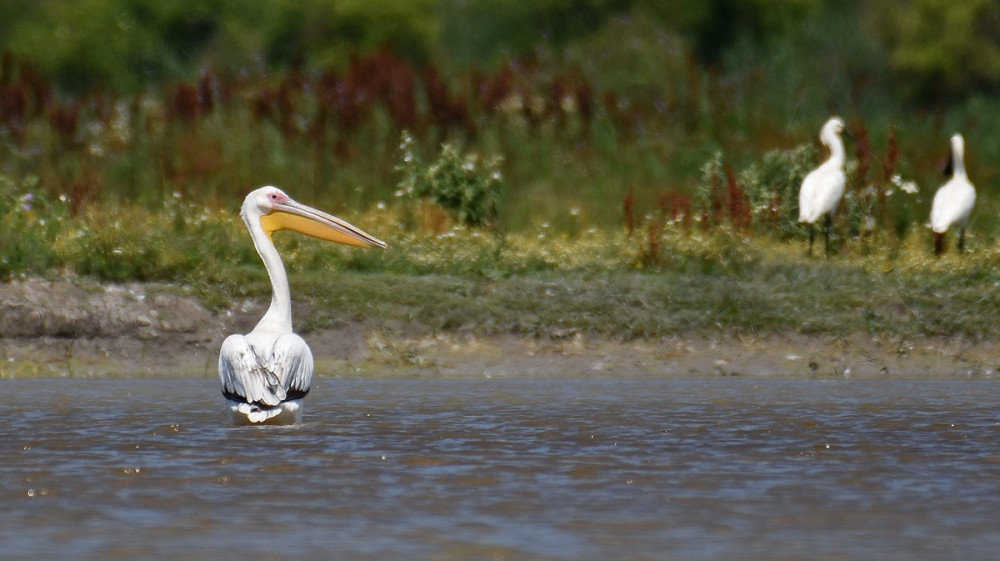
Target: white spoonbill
{"x":953,"y":202}
{"x":266,"y":373}
{"x":824,"y":186}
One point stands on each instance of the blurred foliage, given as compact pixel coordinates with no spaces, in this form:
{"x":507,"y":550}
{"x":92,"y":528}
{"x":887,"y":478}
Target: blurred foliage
{"x":131,"y":44}
{"x":185,"y":240}
{"x":462,"y":184}
{"x":30,"y":222}
{"x":945,"y":48}
{"x":941,"y":47}
{"x":624,"y":136}
{"x":328,"y":33}
{"x":121,"y":44}
{"x":672,"y":119}
{"x":773,"y":188}
{"x":536,"y":282}
{"x":713,"y":27}
{"x":486,"y":33}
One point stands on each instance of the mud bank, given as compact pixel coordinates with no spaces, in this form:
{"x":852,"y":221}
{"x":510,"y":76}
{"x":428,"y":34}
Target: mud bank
{"x":66,"y":329}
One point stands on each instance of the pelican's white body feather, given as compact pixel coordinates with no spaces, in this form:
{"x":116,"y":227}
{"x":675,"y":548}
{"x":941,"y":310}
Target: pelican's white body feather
{"x":953,"y":202}
{"x":823,"y":187}
{"x":266,"y":373}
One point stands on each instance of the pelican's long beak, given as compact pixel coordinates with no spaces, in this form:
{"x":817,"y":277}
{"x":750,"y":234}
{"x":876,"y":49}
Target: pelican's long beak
{"x":291,"y":215}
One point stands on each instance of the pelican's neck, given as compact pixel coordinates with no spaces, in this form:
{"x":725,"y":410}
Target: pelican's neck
{"x":957,"y":159}
{"x":278,"y":317}
{"x":836,"y":146}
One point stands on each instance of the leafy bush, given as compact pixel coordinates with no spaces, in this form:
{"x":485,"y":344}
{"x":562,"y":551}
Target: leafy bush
{"x":773,"y":187}
{"x":127,"y":44}
{"x":928,"y":38}
{"x":29,"y":222}
{"x":455,"y":182}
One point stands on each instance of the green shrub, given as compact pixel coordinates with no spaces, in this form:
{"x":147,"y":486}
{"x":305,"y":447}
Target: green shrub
{"x":773,"y":188}
{"x":29,"y":221}
{"x":459,"y":183}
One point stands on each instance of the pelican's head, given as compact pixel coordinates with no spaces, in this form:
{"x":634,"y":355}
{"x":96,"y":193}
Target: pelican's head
{"x":272,"y":210}
{"x":832,"y":128}
{"x":957,"y":145}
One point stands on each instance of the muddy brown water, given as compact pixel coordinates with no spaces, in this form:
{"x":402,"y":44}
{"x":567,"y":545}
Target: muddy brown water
{"x":699,"y":469}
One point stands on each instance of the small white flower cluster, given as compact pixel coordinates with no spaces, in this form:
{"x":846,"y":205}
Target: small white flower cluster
{"x":908,"y":187}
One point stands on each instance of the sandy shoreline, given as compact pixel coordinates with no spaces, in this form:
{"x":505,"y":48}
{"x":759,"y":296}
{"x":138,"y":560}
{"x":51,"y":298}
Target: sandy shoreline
{"x":62,"y":329}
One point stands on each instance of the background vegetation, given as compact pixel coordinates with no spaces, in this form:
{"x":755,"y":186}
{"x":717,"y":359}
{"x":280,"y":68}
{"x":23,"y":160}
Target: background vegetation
{"x":502,"y":140}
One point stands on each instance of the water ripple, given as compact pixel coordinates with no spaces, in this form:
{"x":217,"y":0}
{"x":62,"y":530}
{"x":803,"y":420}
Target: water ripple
{"x":505,"y":469}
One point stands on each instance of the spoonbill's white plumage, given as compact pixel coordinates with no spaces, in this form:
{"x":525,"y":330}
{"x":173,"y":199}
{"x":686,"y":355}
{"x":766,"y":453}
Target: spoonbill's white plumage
{"x":824,"y":186}
{"x":953,"y":202}
{"x":266,"y":373}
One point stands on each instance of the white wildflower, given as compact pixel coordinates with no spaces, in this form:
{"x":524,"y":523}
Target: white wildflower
{"x":908,"y":187}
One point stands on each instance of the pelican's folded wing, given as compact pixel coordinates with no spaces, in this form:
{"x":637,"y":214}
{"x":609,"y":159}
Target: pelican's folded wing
{"x":292,"y":362}
{"x":244,"y":377}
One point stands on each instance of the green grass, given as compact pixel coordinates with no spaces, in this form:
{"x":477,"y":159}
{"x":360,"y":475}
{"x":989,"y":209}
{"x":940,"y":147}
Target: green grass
{"x":560,"y":166}
{"x":537,"y":282}
{"x":703,"y":164}
{"x":773,"y":298}
{"x":534,"y":283}
{"x":154,"y":199}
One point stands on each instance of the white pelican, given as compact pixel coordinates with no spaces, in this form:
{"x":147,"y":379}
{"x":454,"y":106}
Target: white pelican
{"x":824,"y":186}
{"x":953,"y":202}
{"x":266,"y":373}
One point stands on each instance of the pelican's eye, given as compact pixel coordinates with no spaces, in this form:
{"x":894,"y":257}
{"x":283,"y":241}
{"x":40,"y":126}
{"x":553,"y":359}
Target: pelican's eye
{"x":276,"y":198}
